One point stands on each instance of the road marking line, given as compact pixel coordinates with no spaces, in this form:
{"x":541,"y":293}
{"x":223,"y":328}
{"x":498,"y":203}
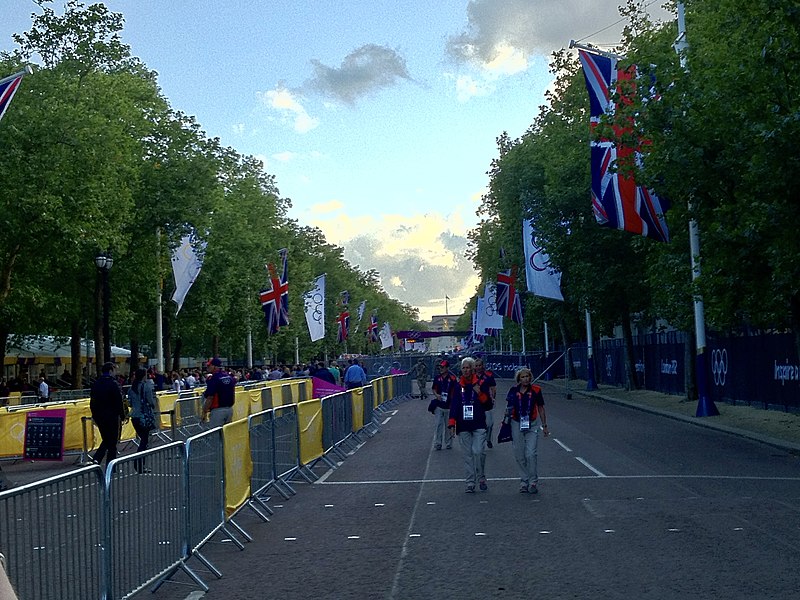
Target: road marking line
{"x":588,"y":466}
{"x":386,"y":420}
{"x":561,"y":444}
{"x":353,"y":537}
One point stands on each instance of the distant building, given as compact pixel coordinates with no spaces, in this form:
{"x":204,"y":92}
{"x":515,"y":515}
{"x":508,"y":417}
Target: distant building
{"x":443,"y":323}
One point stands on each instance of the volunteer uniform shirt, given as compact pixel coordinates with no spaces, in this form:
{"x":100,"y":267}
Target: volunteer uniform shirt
{"x":221,"y":387}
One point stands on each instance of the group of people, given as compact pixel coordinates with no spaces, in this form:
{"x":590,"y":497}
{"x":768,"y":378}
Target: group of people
{"x":462,"y":406}
{"x":107,"y":405}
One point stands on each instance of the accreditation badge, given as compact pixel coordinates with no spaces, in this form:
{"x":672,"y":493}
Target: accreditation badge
{"x":469,"y":412}
{"x":524,"y":423}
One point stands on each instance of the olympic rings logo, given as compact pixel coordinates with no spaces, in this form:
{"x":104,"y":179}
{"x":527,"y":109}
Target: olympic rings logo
{"x":719,"y":366}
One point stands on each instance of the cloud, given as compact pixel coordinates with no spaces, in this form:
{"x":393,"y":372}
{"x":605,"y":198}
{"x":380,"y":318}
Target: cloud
{"x":285,"y":156}
{"x":468,"y":87}
{"x":289,"y":108}
{"x":501,"y":34}
{"x":418,"y":261}
{"x":364,"y":70}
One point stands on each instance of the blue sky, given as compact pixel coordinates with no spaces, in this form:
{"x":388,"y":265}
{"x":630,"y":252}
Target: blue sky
{"x":378,"y":118}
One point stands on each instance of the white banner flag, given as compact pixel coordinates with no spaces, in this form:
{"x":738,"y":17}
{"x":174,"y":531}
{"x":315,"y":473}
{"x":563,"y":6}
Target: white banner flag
{"x":314,"y":301}
{"x":486,"y":314}
{"x":361,"y":308}
{"x":386,"y":336}
{"x":186,"y":265}
{"x":542,"y":280}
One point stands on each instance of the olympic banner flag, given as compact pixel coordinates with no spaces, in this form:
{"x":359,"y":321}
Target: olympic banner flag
{"x":542,"y":280}
{"x":314,"y":301}
{"x":187,"y":260}
{"x":487,"y":316}
{"x":386,"y":336}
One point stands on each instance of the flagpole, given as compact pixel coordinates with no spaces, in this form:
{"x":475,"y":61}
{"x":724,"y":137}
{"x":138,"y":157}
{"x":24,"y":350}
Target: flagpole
{"x":705,"y":405}
{"x":590,"y":382}
{"x":249,"y":347}
{"x":159,"y":312}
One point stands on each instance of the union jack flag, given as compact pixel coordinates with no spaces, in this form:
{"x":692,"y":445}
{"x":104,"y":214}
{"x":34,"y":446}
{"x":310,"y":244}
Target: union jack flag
{"x":8,"y":87}
{"x":508,"y":301}
{"x":342,"y":326}
{"x":617,"y":201}
{"x":372,"y":328}
{"x":275,"y":299}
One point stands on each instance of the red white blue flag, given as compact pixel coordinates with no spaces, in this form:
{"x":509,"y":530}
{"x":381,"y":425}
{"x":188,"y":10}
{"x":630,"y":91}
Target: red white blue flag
{"x":509,"y":303}
{"x":372,"y":328}
{"x":8,"y":87}
{"x":275,"y":299}
{"x":617,"y":201}
{"x":342,"y":326}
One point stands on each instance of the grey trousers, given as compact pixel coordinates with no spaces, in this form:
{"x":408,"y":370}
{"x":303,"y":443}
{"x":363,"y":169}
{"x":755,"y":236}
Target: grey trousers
{"x":472,"y":443}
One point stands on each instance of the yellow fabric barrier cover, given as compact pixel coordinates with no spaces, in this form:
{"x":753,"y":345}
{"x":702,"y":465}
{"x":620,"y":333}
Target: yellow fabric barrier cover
{"x":238,"y":464}
{"x":377,"y":391}
{"x":241,"y":405}
{"x":309,"y":420}
{"x":166,"y":403}
{"x":358,"y":408}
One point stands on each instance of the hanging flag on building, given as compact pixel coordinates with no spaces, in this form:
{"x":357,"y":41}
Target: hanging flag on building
{"x":509,"y":303}
{"x":542,"y":280}
{"x":8,"y":87}
{"x":617,"y":201}
{"x":372,"y":328}
{"x":275,"y":299}
{"x":345,"y":298}
{"x":314,"y":301}
{"x":386,"y":336}
{"x":187,"y":260}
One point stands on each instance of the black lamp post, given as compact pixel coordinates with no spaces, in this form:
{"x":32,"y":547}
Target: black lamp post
{"x":104,"y":262}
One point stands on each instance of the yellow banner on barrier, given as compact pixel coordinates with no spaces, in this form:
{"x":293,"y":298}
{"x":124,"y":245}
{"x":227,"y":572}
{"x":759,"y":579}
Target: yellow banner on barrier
{"x":377,"y":391}
{"x":241,"y":405}
{"x":166,"y":403}
{"x":238,"y":464}
{"x":309,"y":421}
{"x":357,"y":396}
{"x":390,"y":387}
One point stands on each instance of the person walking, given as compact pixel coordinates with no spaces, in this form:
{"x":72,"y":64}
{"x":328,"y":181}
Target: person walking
{"x":108,"y":412}
{"x":142,"y":400}
{"x":355,"y":376}
{"x":220,"y":394}
{"x":468,"y":419}
{"x":525,"y":408}
{"x":488,"y":387}
{"x":44,"y":389}
{"x":420,"y":372}
{"x":444,"y":386}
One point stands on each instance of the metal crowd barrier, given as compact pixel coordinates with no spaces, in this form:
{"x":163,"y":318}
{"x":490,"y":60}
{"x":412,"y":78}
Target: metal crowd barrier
{"x":85,"y":535}
{"x":52,"y":534}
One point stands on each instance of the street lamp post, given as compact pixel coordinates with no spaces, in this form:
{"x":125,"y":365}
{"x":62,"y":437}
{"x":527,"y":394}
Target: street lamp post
{"x":104,"y":262}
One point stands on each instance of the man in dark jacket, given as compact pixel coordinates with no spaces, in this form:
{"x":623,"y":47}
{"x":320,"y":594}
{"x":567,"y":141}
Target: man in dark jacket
{"x":108,"y":412}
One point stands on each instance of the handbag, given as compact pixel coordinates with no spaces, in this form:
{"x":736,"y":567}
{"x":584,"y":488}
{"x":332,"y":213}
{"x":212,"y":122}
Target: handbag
{"x":504,"y":435}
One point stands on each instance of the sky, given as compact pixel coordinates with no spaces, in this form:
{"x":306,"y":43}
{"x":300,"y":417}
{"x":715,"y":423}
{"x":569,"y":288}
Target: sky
{"x":378,"y":118}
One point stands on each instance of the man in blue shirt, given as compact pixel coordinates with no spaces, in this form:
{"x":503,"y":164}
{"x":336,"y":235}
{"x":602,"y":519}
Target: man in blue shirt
{"x":355,"y":376}
{"x":220,"y":394}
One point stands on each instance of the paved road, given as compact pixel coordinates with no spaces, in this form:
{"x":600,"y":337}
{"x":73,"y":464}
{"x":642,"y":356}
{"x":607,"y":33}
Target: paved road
{"x":632,"y":505}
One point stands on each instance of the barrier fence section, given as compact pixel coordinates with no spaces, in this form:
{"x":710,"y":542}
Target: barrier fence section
{"x":52,"y":533}
{"x":108,"y":534}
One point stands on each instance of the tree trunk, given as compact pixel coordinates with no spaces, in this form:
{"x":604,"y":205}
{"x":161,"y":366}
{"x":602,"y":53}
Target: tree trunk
{"x":75,"y":354}
{"x":5,"y":331}
{"x":134,"y":356}
{"x":176,"y":355}
{"x":630,"y":358}
{"x":215,"y":346}
{"x":570,"y":369}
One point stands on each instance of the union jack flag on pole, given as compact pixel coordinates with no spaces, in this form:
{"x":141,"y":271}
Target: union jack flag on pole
{"x":617,"y":201}
{"x":372,"y":328}
{"x":275,"y":299}
{"x":342,"y":326}
{"x":509,"y":303}
{"x":8,"y":87}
